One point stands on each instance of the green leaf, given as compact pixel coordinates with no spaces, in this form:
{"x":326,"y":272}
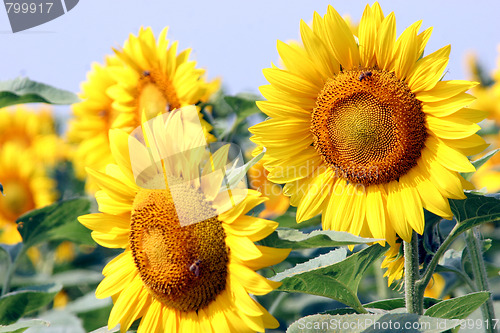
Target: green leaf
{"x":70,"y":278}
{"x":16,"y":304}
{"x":22,"y":90}
{"x":22,"y":326}
{"x":459,"y":307}
{"x":354,"y":323}
{"x":295,"y":239}
{"x":475,"y":210}
{"x":243,"y":106}
{"x":331,"y":276}
{"x":289,"y":220}
{"x":479,"y":162}
{"x":93,"y":312}
{"x":397,"y":303}
{"x":235,"y":175}
{"x":56,"y":222}
{"x":105,"y":330}
{"x":11,"y":251}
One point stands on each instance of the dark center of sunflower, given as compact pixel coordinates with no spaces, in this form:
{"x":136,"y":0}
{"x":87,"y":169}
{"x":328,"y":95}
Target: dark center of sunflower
{"x":369,"y":126}
{"x":155,"y":94}
{"x":185,"y":268}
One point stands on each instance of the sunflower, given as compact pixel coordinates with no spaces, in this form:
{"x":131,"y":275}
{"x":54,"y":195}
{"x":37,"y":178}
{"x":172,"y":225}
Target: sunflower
{"x":363,"y":130}
{"x":93,"y":117}
{"x":278,"y":203}
{"x":189,"y":259}
{"x":146,"y":74}
{"x":394,"y":261}
{"x":25,"y":186}
{"x":32,"y":129}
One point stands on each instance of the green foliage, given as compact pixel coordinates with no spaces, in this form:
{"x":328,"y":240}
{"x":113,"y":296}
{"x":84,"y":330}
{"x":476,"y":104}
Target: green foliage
{"x":56,"y":222}
{"x":479,"y":162}
{"x":295,"y":239}
{"x":16,"y":304}
{"x":22,"y":90}
{"x":388,"y":322}
{"x":331,"y":275}
{"x":22,"y":326}
{"x":475,"y":210}
{"x":459,"y":307}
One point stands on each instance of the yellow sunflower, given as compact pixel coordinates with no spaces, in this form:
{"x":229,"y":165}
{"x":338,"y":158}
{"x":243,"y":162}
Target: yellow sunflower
{"x":32,"y":129}
{"x":189,"y":259}
{"x":93,"y":117}
{"x":25,"y":187}
{"x":363,"y":130}
{"x":278,"y":203}
{"x":487,"y":97}
{"x":145,"y":75}
{"x":394,"y":261}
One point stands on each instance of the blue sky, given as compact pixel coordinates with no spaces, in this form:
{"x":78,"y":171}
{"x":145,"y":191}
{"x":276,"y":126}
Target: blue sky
{"x":234,"y":40}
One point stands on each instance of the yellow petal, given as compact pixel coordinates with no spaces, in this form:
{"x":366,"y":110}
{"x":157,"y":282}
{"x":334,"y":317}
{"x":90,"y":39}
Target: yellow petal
{"x":386,"y":39}
{"x":341,"y":40}
{"x":444,"y":90}
{"x":451,"y":127}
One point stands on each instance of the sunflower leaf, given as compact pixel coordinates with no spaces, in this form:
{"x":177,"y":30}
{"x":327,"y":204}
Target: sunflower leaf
{"x":295,"y":239}
{"x":16,"y":304}
{"x":22,"y":326}
{"x":331,"y":275}
{"x":12,"y":251}
{"x":234,"y":176}
{"x":389,"y":322}
{"x":479,"y":162}
{"x":56,"y":222}
{"x":458,"y":307}
{"x":22,"y":90}
{"x":475,"y":210}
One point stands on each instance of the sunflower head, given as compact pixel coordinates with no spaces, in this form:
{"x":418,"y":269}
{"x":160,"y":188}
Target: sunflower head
{"x":146,"y":76}
{"x":176,"y":207}
{"x":26,"y":186}
{"x":363,"y":129}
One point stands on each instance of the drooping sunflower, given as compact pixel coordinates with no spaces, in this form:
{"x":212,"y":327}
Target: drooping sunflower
{"x":189,"y":259}
{"x":146,"y":75}
{"x":26,"y":186}
{"x":363,"y":130}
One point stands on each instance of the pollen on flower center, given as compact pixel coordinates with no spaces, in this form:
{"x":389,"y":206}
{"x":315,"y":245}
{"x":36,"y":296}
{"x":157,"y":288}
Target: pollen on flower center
{"x":156,"y":94}
{"x":369,"y":126}
{"x":185,"y":268}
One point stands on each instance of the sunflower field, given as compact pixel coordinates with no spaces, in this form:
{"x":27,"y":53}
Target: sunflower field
{"x":358,"y":192}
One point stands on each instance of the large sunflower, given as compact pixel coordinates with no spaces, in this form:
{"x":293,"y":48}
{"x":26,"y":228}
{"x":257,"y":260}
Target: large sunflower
{"x":189,"y":260}
{"x":145,"y":75}
{"x":25,"y":186}
{"x":363,"y":130}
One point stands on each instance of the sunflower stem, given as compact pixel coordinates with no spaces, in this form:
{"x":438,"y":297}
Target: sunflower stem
{"x":414,"y":303}
{"x":11,"y":268}
{"x":382,"y":289}
{"x":479,"y":274}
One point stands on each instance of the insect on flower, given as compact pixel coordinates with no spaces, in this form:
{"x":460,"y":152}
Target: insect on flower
{"x":195,"y":267}
{"x":364,"y":75}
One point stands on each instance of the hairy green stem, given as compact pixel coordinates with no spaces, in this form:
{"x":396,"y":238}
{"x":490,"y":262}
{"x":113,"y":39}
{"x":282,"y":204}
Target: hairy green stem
{"x":11,"y":268}
{"x":414,"y":303}
{"x":382,"y":289}
{"x":431,"y":267}
{"x":479,"y":274}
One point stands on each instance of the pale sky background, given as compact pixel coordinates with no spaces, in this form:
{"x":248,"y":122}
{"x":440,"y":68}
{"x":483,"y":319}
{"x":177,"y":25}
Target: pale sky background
{"x":233,"y":40}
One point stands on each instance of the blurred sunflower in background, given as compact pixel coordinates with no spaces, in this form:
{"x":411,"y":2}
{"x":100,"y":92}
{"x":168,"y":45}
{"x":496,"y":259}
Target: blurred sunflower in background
{"x":26,"y":186}
{"x":278,"y":203}
{"x":363,"y":130}
{"x":146,"y":74}
{"x":33,"y":129}
{"x":189,"y":260}
{"x":488,"y":99}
